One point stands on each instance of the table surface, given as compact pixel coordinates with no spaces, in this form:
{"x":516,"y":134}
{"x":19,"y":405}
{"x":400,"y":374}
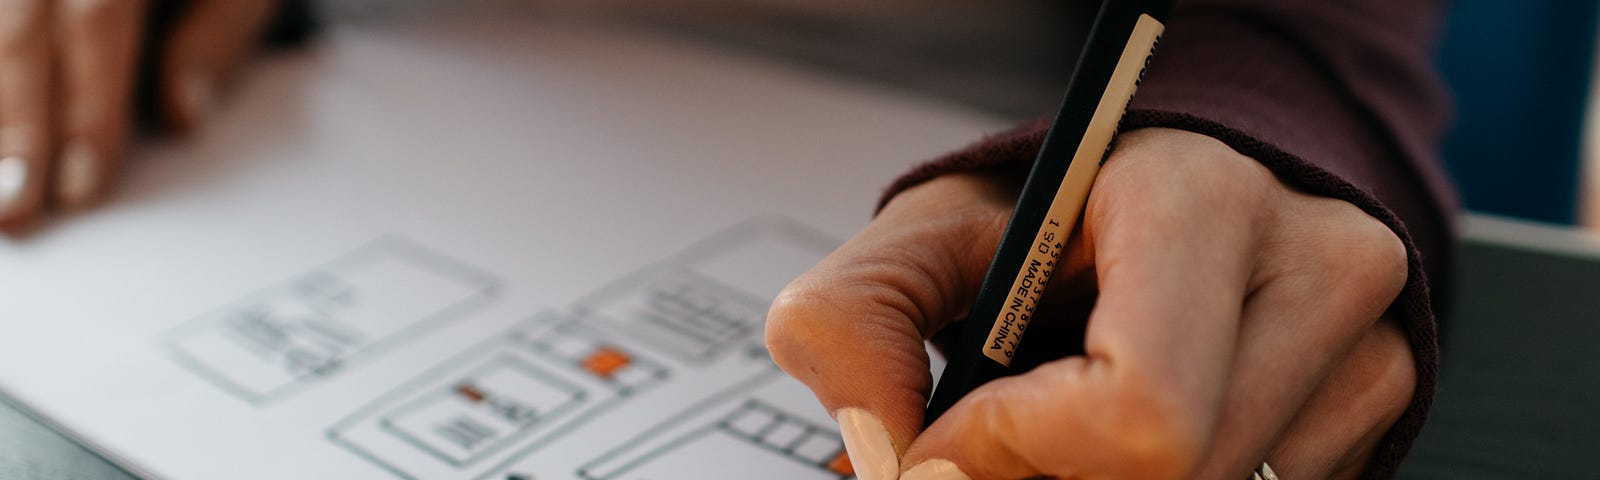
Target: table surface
{"x":31,"y":451}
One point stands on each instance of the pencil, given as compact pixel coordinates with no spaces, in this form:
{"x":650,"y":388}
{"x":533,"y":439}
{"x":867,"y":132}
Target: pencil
{"x":1123,"y":38}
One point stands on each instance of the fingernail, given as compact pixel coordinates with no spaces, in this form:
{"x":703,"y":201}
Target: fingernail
{"x":936,"y":469}
{"x":80,"y":173}
{"x":871,"y":452}
{"x":197,"y":92}
{"x":13,"y":180}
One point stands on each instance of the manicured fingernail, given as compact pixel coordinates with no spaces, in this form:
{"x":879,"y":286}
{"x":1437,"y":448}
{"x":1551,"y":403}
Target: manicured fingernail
{"x":871,"y":452}
{"x":936,"y":469}
{"x":80,"y":173}
{"x":13,"y":180}
{"x":197,"y":92}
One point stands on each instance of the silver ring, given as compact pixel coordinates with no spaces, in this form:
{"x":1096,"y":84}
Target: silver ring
{"x":1263,"y":472}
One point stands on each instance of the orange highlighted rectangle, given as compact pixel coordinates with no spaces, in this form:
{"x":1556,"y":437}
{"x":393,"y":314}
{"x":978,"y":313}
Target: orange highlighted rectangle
{"x":605,"y":361}
{"x":841,"y":465}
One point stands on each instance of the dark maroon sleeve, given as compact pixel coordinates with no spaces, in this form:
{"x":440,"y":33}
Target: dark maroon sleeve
{"x":1337,"y":98}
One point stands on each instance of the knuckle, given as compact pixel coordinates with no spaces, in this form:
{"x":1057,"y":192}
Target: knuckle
{"x":1361,"y":259}
{"x":1374,"y":260}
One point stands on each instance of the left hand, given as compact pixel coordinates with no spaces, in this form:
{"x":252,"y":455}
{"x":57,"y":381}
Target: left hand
{"x":1222,"y":317}
{"x":66,"y":80}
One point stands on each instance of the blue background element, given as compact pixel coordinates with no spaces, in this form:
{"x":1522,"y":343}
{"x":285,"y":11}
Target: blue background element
{"x":1520,"y":73}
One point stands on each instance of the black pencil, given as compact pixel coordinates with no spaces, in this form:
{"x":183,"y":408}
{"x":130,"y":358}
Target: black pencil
{"x":1123,"y":38}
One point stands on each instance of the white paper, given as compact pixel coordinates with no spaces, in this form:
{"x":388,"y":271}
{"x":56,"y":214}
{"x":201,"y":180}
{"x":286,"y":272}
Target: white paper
{"x":463,"y":249}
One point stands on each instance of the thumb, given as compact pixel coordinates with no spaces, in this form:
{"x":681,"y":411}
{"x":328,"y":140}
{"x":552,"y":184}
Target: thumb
{"x":852,"y":329}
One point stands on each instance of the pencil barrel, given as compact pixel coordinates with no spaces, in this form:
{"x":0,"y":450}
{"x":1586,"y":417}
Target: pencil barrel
{"x":1120,"y":44}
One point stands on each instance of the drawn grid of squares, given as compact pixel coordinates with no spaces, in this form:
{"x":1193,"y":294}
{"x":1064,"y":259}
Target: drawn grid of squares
{"x":747,"y":423}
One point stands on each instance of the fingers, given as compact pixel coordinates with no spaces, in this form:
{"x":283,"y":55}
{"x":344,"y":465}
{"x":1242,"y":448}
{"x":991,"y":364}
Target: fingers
{"x":1173,"y":269}
{"x":1299,"y":325}
{"x":205,"y":48}
{"x":97,"y":41}
{"x":1339,"y":429}
{"x":852,"y":328}
{"x":26,"y":99}
{"x":1065,"y":419}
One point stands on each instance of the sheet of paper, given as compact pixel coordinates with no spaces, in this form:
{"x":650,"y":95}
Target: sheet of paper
{"x":464,"y":248}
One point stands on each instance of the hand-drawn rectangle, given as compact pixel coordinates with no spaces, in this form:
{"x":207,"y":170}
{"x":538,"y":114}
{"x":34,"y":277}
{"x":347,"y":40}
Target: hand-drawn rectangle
{"x":504,"y":396}
{"x":265,"y":345}
{"x":685,"y":313}
{"x":713,"y":297}
{"x":526,"y":387}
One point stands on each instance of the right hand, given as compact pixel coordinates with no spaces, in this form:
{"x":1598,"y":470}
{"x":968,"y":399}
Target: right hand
{"x":1212,"y":317}
{"x":67,"y":71}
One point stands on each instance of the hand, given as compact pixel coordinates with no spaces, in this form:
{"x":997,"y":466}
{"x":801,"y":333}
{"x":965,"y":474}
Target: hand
{"x":1229,"y":320}
{"x":66,"y":76}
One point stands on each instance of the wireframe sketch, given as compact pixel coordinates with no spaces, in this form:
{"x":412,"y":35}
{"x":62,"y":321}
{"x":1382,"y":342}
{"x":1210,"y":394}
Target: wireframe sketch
{"x":705,"y":302}
{"x":774,"y":430}
{"x":530,"y":385}
{"x":675,"y":340}
{"x":684,"y":313}
{"x":263,"y":346}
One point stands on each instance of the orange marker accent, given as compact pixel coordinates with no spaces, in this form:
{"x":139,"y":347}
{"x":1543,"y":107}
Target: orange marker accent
{"x":841,"y":465}
{"x":605,"y":361}
{"x":470,"y":392}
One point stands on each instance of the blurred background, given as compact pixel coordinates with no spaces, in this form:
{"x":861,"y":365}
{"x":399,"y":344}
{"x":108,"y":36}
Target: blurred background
{"x":1520,"y":71}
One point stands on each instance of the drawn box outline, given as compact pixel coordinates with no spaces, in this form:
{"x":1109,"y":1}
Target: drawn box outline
{"x":638,"y":281}
{"x":566,"y":327}
{"x":485,"y":289}
{"x":512,"y":339}
{"x":720,"y":425}
{"x":734,"y":393}
{"x":743,"y":387}
{"x":687,"y":261}
{"x":500,"y":358}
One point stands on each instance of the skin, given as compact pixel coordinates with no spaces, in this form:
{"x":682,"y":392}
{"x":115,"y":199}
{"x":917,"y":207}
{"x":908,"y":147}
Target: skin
{"x":1229,"y":319}
{"x":66,"y":80}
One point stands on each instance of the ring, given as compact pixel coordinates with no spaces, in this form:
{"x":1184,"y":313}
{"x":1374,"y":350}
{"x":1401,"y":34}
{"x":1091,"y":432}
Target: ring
{"x":1263,"y":472}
